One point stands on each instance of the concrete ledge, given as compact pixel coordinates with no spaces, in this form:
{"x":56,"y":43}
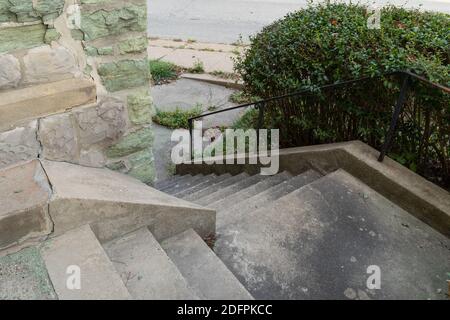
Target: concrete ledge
{"x":24,"y":197}
{"x":114,"y":204}
{"x":29,"y":103}
{"x":204,"y":77}
{"x":421,"y":198}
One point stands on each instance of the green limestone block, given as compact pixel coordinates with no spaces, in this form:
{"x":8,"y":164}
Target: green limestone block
{"x":29,"y":10}
{"x":117,"y":166}
{"x":106,"y":51}
{"x":124,"y":74}
{"x":5,"y":14}
{"x":51,"y":35}
{"x":23,"y":276}
{"x":134,"y":45}
{"x":142,"y":166}
{"x":140,"y":108}
{"x":103,"y":23}
{"x":132,"y":143}
{"x":77,"y":34}
{"x":91,"y":51}
{"x":22,"y":37}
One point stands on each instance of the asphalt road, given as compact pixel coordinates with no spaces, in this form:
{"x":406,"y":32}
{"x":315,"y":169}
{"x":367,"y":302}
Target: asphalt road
{"x":223,"y":21}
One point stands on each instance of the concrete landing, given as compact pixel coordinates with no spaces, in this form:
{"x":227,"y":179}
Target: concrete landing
{"x":80,"y":248}
{"x":114,"y":204}
{"x":318,"y":242}
{"x":203,"y":270}
{"x":24,"y":196}
{"x":145,"y":268}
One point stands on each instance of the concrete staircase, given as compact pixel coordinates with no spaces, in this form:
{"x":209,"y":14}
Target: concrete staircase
{"x":306,"y":235}
{"x":313,"y":236}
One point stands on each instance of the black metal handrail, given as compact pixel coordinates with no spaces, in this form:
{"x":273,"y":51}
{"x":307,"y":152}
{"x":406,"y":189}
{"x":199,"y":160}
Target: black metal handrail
{"x":261,"y":104}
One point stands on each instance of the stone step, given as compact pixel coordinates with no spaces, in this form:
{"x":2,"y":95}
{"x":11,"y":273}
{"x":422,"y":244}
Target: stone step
{"x":231,"y":189}
{"x":78,"y":253}
{"x":261,"y":200}
{"x":318,"y":241}
{"x":238,"y":197}
{"x":208,"y":277}
{"x":24,"y":196}
{"x":187,"y":184}
{"x":212,"y":179}
{"x":178,"y":181}
{"x":216,"y":186}
{"x":41,"y":100}
{"x":145,"y":268}
{"x":115,"y":204}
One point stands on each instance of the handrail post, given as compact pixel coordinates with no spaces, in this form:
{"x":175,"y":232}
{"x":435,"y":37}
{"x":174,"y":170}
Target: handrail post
{"x":260,"y":106}
{"x":191,"y":142}
{"x":398,"y":108}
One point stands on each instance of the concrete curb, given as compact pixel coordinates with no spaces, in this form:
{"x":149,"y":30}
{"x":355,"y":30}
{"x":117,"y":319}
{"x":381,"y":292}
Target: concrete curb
{"x":421,"y":198}
{"x":214,"y":80}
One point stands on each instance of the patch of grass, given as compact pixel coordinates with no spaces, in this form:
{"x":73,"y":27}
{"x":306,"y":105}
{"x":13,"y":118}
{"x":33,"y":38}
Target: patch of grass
{"x":224,"y":75}
{"x":207,"y":49}
{"x":197,"y":68}
{"x":162,"y":71}
{"x":177,"y":119}
{"x":240,"y":97}
{"x":178,"y":40}
{"x":248,"y":120}
{"x":191,"y":41}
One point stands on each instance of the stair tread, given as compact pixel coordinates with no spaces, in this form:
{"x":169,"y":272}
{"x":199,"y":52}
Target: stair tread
{"x":260,"y":200}
{"x":197,"y":179}
{"x":216,"y":186}
{"x":146,"y":269}
{"x":164,"y":183}
{"x":212,"y":179}
{"x":80,"y":247}
{"x":252,"y":190}
{"x":178,"y":181}
{"x":229,"y":190}
{"x":334,"y":226}
{"x":206,"y":274}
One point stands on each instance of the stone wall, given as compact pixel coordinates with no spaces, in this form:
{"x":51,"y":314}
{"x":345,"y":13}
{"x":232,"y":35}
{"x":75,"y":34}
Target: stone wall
{"x":104,"y":41}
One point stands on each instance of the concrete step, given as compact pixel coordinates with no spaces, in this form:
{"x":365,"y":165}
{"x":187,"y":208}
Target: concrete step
{"x":199,"y":178}
{"x":115,"y":204}
{"x":254,"y":189}
{"x":261,"y":200}
{"x":212,"y":179}
{"x":176,"y":182}
{"x":80,"y":250}
{"x":145,"y":268}
{"x":41,"y":100}
{"x":202,"y":269}
{"x":216,"y":186}
{"x":24,"y":196}
{"x":318,"y":241}
{"x":231,"y":189}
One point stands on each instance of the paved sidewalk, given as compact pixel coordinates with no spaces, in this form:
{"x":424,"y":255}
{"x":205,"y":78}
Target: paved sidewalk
{"x":214,"y":57}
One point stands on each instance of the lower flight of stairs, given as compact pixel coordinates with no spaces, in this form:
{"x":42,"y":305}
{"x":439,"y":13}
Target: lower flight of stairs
{"x":137,"y":266}
{"x":313,"y":236}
